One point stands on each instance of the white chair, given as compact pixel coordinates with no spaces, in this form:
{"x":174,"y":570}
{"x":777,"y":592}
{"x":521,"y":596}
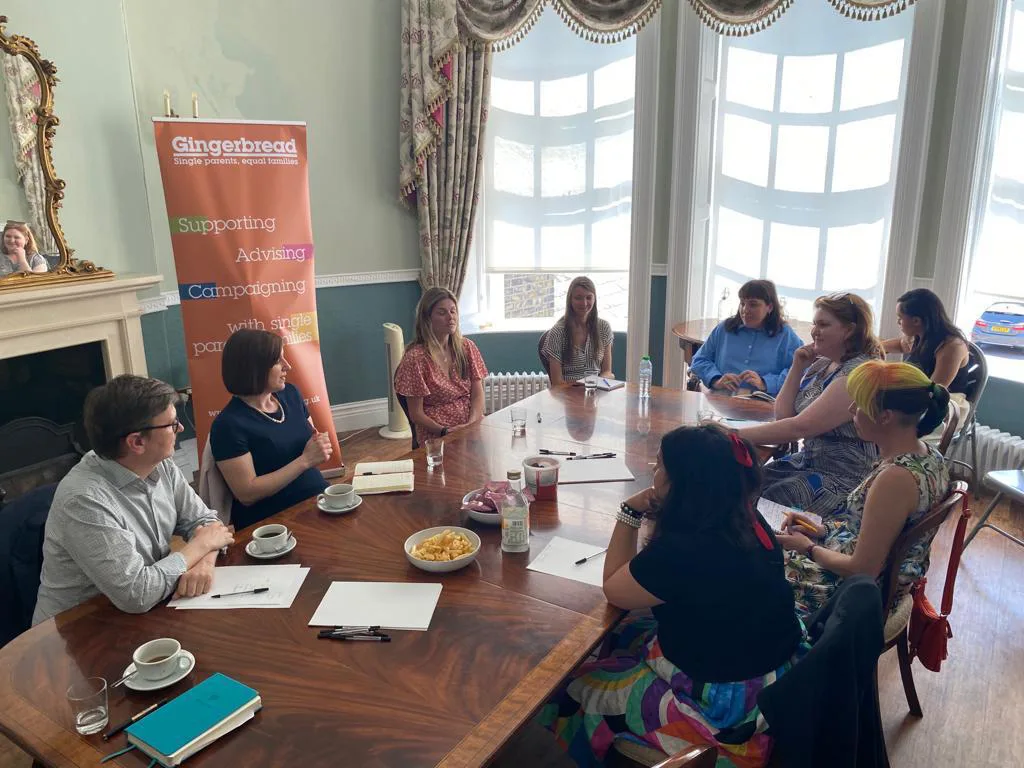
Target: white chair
{"x":1006,"y":482}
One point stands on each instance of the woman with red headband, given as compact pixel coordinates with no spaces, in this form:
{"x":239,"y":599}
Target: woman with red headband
{"x":723,"y":623}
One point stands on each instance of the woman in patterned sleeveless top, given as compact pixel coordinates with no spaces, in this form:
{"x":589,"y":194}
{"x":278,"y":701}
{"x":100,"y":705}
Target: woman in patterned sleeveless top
{"x":814,"y":406}
{"x":895,"y":404}
{"x":579,"y":344}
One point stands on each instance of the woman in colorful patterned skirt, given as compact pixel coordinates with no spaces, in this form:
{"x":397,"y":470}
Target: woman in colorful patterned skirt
{"x":723,"y":624}
{"x":895,"y":404}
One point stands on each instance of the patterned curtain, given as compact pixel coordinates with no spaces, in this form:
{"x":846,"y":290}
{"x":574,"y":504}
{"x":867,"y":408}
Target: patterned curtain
{"x":446,"y":56}
{"x":448,"y":191}
{"x":745,"y":17}
{"x":23,"y":94}
{"x":502,"y":23}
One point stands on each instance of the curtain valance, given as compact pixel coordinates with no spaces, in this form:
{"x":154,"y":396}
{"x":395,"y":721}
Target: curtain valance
{"x":745,"y":17}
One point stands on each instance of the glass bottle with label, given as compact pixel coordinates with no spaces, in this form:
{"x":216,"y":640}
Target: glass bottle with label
{"x":515,"y":515}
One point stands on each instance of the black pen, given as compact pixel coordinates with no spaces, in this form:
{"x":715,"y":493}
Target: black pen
{"x":592,"y":456}
{"x":132,"y":719}
{"x":371,"y":638}
{"x":582,"y":560}
{"x":548,"y":452}
{"x":346,"y":630}
{"x":256,"y":591}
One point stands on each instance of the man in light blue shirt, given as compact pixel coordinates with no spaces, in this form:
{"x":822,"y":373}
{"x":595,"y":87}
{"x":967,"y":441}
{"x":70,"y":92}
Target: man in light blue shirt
{"x":751,"y":350}
{"x":110,"y":525}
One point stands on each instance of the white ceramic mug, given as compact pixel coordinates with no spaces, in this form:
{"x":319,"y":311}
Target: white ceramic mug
{"x":158,"y":659}
{"x":270,"y":538}
{"x":338,"y":496}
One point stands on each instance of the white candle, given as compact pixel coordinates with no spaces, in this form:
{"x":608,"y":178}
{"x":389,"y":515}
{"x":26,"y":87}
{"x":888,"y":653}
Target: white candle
{"x":195,"y":104}
{"x":167,"y":103}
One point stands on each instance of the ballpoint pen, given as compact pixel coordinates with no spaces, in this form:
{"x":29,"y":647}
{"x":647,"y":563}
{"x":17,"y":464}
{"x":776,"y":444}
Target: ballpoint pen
{"x":592,"y":456}
{"x":549,"y":452}
{"x":116,"y":730}
{"x":582,"y":560}
{"x":257,"y":591}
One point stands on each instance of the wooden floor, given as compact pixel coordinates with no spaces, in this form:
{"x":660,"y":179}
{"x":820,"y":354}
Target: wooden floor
{"x":973,"y":708}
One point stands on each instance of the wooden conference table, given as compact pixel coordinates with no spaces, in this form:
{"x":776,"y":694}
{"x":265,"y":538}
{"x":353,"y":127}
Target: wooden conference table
{"x":501,"y":640}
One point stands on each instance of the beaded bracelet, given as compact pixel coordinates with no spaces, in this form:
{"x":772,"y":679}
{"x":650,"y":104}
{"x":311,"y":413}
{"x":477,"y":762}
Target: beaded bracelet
{"x":629,"y":516}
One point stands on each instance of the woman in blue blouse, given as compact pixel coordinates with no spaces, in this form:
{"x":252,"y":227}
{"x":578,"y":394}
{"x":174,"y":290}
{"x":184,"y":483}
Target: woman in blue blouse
{"x":751,"y":350}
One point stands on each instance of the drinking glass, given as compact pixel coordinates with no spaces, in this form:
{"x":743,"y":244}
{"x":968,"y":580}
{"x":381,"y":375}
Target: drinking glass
{"x":518,"y":416}
{"x":434,"y":447}
{"x":590,"y":384}
{"x":88,"y":700}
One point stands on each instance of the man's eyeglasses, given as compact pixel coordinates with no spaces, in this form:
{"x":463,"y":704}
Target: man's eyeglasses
{"x":176,"y":424}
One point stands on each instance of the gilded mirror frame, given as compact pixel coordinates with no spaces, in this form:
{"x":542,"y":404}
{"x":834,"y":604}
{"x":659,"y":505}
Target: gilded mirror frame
{"x":68,"y":267}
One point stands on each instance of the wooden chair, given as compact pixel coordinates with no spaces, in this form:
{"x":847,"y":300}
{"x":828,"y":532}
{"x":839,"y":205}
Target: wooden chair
{"x":897,"y":613}
{"x":952,"y":422}
{"x":542,"y":355}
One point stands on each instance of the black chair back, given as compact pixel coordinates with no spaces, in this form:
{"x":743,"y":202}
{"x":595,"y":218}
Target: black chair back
{"x":22,"y":529}
{"x":977,"y":374}
{"x":402,"y":401}
{"x":541,"y":354}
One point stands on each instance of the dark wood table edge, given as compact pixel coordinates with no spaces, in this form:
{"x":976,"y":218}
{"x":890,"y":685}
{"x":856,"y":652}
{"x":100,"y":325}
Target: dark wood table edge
{"x":480,"y":745}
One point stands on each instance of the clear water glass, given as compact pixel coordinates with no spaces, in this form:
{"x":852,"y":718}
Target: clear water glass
{"x":88,"y":700}
{"x":518,"y":417}
{"x":590,"y":383}
{"x":434,"y":448}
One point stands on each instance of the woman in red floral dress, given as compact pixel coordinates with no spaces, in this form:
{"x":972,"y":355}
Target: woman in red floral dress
{"x":441,"y":374}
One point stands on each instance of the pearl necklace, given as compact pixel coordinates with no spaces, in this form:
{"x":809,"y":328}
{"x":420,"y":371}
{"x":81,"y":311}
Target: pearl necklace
{"x":264,"y":414}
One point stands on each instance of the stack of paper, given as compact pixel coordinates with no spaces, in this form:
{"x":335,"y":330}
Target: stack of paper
{"x":775,"y":514}
{"x":388,"y":605}
{"x":559,"y":558}
{"x":383,"y":476}
{"x":603,"y":383}
{"x":281,"y":581}
{"x":593,"y":471}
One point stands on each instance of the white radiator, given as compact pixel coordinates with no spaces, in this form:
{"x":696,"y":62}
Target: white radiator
{"x":996,"y":450}
{"x":503,"y":389}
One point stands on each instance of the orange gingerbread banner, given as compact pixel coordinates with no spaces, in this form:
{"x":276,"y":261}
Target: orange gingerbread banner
{"x":238,"y":203}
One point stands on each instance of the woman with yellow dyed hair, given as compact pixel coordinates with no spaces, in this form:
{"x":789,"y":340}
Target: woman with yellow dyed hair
{"x":894,"y":405}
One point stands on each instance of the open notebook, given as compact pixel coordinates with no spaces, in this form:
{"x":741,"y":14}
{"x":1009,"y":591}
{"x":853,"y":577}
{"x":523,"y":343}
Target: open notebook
{"x":604,"y":383}
{"x":194,"y":720}
{"x":383,"y":477}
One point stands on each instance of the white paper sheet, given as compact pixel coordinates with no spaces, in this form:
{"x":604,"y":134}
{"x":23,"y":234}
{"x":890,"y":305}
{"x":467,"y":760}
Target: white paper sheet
{"x":389,"y":605}
{"x":559,"y":558}
{"x":593,"y":471}
{"x":774,"y":513}
{"x":284,"y":582}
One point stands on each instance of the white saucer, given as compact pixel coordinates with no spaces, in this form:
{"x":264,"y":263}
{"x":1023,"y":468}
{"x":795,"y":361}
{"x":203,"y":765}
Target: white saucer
{"x":138,"y":684}
{"x":250,"y":550}
{"x":329,"y":511}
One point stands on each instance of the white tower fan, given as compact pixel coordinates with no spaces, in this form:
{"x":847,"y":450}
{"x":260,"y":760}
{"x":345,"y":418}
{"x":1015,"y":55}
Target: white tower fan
{"x":397,"y":427}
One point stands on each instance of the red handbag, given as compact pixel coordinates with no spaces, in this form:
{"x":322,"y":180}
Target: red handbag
{"x":929,"y":629}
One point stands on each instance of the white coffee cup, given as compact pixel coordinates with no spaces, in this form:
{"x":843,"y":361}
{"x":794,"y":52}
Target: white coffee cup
{"x":270,"y":538}
{"x":158,"y":659}
{"x":338,"y":496}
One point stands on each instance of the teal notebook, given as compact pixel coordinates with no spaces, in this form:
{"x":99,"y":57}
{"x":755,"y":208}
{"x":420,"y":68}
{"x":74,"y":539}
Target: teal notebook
{"x":194,"y":719}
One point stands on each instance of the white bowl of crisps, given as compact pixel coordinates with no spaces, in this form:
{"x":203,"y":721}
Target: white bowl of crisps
{"x":442,"y":549}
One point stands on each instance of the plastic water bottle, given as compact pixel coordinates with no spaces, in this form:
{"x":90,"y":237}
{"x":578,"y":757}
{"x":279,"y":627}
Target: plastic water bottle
{"x":515,"y":515}
{"x":646,"y":372}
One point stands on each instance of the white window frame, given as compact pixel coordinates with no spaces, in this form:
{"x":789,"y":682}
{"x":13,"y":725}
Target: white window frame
{"x":694,"y":160}
{"x":641,"y":248}
{"x":967,"y":166}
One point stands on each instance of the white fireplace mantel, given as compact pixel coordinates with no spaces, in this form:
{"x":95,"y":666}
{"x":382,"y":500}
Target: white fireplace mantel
{"x":78,"y":312}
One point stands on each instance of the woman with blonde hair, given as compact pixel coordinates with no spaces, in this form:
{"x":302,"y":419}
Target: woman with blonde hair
{"x":579,"y":344}
{"x":441,"y":375}
{"x":894,"y":406}
{"x":814,"y":406}
{"x":21,"y":254}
